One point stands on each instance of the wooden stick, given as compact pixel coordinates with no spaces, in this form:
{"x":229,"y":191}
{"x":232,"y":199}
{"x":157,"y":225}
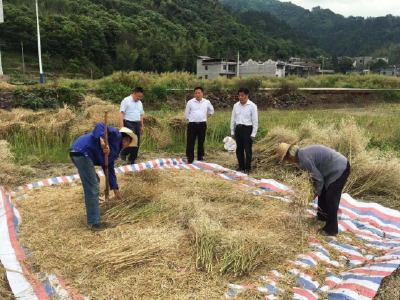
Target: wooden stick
{"x":107,"y":190}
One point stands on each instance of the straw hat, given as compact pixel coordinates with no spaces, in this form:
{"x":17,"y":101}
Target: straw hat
{"x":282,"y":149}
{"x":130,"y":133}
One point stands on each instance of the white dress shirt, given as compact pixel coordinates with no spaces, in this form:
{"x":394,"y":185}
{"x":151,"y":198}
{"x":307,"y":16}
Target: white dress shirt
{"x":245,"y":115}
{"x":197,"y":111}
{"x":132,"y":109}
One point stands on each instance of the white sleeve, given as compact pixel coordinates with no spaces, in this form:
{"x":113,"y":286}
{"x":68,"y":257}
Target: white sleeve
{"x":210,"y":109}
{"x":187,"y":111}
{"x":233,"y":121}
{"x":254,"y":119}
{"x":123,"y":106}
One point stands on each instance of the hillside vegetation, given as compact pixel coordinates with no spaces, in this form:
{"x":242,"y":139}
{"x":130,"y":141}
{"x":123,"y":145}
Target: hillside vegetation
{"x":148,"y":35}
{"x":352,"y":36}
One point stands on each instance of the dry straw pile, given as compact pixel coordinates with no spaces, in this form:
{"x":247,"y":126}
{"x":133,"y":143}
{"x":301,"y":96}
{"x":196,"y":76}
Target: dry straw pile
{"x":5,"y":290}
{"x":10,"y":173}
{"x":374,"y":174}
{"x":181,"y":234}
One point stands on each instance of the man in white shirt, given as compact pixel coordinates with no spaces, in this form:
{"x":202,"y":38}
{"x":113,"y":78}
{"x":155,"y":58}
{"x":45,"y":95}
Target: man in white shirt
{"x":244,"y":126}
{"x":198,"y":110}
{"x":131,"y":116}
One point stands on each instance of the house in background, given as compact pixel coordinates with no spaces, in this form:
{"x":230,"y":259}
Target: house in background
{"x":384,"y":58}
{"x":268,"y":68}
{"x":362,"y":62}
{"x":390,"y":71}
{"x":210,"y":68}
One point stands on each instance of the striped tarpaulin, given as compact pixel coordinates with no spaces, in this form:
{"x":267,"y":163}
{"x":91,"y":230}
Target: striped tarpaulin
{"x":375,"y":227}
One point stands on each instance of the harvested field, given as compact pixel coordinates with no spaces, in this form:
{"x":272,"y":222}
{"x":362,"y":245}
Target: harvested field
{"x":181,"y":234}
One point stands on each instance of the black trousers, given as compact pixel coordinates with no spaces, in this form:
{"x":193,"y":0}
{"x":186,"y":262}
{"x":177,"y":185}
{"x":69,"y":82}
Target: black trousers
{"x":244,"y":145}
{"x":329,"y":200}
{"x":132,"y":152}
{"x":195,"y":130}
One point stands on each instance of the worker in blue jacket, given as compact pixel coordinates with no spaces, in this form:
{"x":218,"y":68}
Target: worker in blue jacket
{"x":87,"y":152}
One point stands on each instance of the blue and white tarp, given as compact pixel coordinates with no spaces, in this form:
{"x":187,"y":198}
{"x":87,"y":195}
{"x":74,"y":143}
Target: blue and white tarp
{"x":376,"y":228}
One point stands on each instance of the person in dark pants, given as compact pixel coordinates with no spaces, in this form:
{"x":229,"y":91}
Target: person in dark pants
{"x":329,"y":170}
{"x":131,"y":116}
{"x":244,"y":126}
{"x":87,"y":152}
{"x":198,"y":110}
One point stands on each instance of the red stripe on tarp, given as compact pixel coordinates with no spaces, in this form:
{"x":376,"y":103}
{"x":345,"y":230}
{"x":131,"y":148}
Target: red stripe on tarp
{"x":331,"y":284}
{"x":368,"y":220}
{"x":205,"y":166}
{"x":64,"y":179}
{"x":154,"y":163}
{"x":37,"y":286}
{"x":304,"y":293}
{"x":358,"y":232}
{"x":25,"y":187}
{"x":126,"y":169}
{"x":372,"y":272}
{"x":359,"y":289}
{"x":247,"y":287}
{"x":46,"y":182}
{"x":370,"y":209}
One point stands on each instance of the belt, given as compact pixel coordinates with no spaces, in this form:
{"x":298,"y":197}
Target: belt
{"x":242,"y":125}
{"x":134,"y":122}
{"x":75,"y":153}
{"x":197,"y":122}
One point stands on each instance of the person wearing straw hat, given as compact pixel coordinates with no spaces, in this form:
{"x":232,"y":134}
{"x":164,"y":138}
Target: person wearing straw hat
{"x":329,"y":170}
{"x":86,"y":153}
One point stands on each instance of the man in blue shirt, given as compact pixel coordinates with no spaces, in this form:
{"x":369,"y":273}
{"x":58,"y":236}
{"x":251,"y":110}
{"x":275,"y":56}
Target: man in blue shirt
{"x":87,"y":152}
{"x":131,"y":116}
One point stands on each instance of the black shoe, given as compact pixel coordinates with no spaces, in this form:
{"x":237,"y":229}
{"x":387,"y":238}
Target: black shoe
{"x":200,"y":159}
{"x":102,"y":226}
{"x":239,"y":170}
{"x":131,"y":162}
{"x":247,"y":171}
{"x":190,"y":161}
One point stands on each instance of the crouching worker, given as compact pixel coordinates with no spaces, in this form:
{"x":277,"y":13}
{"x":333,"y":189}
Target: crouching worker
{"x":329,"y":170}
{"x":87,"y":152}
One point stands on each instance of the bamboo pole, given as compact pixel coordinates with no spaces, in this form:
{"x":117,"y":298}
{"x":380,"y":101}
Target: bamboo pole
{"x":107,"y":190}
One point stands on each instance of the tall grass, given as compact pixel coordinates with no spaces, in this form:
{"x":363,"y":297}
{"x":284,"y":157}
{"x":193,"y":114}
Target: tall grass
{"x":39,"y":144}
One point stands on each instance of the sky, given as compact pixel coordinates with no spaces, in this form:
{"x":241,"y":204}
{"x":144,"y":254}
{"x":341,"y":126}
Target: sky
{"x":364,"y":8}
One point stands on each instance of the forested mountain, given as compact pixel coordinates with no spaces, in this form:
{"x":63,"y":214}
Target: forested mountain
{"x":352,"y":36}
{"x":148,"y":35}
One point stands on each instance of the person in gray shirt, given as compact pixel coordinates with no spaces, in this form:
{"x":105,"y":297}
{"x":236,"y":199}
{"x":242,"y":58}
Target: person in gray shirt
{"x":329,"y":170}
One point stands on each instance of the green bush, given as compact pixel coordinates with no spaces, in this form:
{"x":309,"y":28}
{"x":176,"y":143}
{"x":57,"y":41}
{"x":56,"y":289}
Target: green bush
{"x":78,"y":85}
{"x":44,"y":97}
{"x":114,"y":91}
{"x":156,"y":97}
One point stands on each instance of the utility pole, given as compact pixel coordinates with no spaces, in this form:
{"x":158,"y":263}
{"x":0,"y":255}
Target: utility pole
{"x":1,"y":21}
{"x":23,"y":62}
{"x":237,"y":68}
{"x":39,"y":47}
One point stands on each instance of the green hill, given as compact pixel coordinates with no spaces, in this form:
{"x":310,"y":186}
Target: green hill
{"x":352,"y":36}
{"x":149,"y":35}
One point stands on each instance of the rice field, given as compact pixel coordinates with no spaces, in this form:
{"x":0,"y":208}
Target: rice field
{"x":45,"y":136}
